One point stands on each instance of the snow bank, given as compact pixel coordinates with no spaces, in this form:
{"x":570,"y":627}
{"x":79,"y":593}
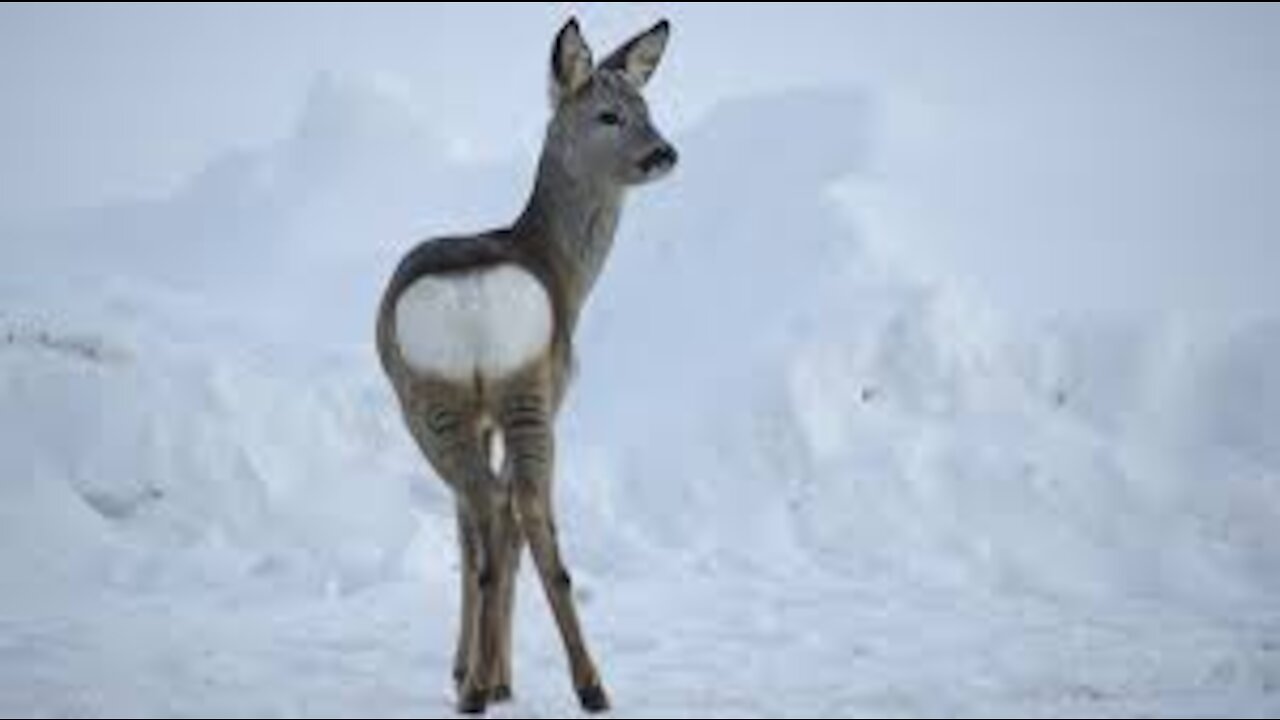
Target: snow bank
{"x":193,"y":455}
{"x":192,"y":381}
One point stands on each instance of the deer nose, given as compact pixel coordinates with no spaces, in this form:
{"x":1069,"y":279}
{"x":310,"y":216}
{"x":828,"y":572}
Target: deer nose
{"x":660,"y":159}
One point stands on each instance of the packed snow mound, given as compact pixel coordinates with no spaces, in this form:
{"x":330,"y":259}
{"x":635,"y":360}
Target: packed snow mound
{"x":958,"y":460}
{"x":196,"y":453}
{"x":758,"y":385}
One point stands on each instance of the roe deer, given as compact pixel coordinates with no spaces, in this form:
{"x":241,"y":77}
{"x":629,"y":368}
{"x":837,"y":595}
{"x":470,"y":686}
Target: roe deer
{"x":475,"y":333}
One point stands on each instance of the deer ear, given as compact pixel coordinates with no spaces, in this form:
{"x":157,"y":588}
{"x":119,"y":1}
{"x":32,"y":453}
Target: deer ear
{"x":639,"y":58}
{"x":571,"y":63}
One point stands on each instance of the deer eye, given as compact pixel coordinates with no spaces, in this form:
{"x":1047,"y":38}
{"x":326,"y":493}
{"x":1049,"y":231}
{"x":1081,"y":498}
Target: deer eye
{"x":610,"y":118}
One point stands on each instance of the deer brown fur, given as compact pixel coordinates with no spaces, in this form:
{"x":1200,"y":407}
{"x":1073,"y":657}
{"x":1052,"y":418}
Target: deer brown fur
{"x":476,"y":335}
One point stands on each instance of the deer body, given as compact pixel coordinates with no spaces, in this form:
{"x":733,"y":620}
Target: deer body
{"x":483,"y":324}
{"x":475,"y":334}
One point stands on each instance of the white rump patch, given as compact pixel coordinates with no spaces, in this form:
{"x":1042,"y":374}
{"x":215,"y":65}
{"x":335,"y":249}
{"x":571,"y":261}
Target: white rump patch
{"x":490,"y":322}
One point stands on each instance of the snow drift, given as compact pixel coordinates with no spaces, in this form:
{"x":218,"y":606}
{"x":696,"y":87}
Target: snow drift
{"x":189,"y":394}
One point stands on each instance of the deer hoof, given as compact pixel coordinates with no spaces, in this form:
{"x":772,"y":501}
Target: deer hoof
{"x":473,"y":703}
{"x":594,"y":700}
{"x":501,"y":694}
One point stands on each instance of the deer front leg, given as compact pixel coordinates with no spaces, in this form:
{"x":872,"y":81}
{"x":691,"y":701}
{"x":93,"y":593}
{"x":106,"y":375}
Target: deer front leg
{"x":527,"y":425}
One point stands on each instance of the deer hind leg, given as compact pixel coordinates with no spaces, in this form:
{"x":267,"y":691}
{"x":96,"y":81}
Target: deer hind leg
{"x":489,"y":510}
{"x":526,"y":422}
{"x":452,"y":443}
{"x":500,"y":684}
{"x":470,"y":582}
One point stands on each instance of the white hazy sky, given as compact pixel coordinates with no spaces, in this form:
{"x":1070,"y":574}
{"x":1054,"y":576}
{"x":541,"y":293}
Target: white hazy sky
{"x":1056,"y":156}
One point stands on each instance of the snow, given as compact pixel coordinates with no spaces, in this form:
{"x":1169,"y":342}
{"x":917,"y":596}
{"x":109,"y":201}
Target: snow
{"x":797,"y":479}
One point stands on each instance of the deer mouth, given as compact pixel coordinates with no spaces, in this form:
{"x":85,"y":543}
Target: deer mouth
{"x":659,"y":162}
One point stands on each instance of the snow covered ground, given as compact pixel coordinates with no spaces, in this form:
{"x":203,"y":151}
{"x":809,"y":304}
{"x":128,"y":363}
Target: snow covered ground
{"x":833,"y":489}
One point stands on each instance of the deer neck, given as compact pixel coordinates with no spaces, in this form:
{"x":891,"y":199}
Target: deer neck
{"x":570,"y":223}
